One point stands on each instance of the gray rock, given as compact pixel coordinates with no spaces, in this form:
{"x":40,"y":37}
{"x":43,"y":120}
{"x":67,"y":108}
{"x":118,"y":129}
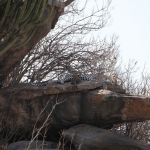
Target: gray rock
{"x":35,"y":149}
{"x":86,"y":137}
{"x":101,"y":108}
{"x":25,"y":145}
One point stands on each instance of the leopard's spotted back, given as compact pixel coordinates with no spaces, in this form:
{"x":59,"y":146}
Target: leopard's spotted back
{"x":87,"y":78}
{"x":67,"y":78}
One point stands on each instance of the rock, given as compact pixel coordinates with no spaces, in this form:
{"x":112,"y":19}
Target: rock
{"x":36,"y":149}
{"x":27,"y":91}
{"x":101,"y":108}
{"x":28,"y":107}
{"x":84,"y":85}
{"x":92,"y":138}
{"x":69,"y":88}
{"x":35,"y":145}
{"x":22,"y":145}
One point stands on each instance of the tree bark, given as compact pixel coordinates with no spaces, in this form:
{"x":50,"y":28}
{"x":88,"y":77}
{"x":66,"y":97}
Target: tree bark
{"x":12,"y":57}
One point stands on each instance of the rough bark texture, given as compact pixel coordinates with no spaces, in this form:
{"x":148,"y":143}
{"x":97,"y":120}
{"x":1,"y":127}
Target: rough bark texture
{"x":11,"y":58}
{"x":102,"y":108}
{"x":88,"y":137}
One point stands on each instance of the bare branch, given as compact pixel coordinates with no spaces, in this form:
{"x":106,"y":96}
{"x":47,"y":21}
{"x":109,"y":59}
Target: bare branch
{"x":68,"y":2}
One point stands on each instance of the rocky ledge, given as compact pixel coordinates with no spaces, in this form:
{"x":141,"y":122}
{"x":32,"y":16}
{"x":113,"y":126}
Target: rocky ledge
{"x":61,"y":107}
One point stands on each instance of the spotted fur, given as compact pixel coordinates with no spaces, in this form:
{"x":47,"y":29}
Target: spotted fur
{"x":67,"y":78}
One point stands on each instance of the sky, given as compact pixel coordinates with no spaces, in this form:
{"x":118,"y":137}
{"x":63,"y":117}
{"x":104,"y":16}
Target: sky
{"x":130,"y":21}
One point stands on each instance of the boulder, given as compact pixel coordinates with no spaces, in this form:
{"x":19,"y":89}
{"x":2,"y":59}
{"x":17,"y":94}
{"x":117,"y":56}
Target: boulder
{"x":28,"y":106}
{"x":86,"y":137}
{"x":34,"y":145}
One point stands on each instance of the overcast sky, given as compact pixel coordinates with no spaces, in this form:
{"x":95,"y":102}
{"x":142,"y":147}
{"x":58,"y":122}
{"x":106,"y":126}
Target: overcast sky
{"x":130,"y":21}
